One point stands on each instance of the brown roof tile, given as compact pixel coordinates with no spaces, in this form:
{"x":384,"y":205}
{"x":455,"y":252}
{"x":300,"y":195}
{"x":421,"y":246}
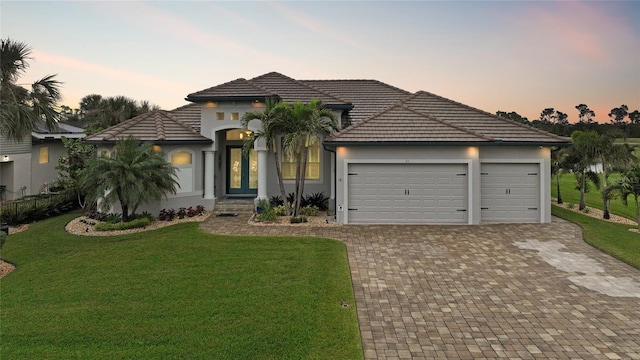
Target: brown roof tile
{"x":291,"y":90}
{"x":402,"y":124}
{"x":155,"y":126}
{"x":477,"y":121}
{"x":368,"y":97}
{"x":189,"y":114}
{"x":236,"y":88}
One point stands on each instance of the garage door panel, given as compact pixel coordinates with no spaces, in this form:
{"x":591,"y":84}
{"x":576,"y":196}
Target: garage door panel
{"x":407,"y":193}
{"x":510,"y":192}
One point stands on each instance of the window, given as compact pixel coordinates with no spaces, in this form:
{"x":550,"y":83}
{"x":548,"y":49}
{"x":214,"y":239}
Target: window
{"x":235,"y":116}
{"x":183,"y":161}
{"x":181,"y":158}
{"x":220,"y":116}
{"x":157,"y":148}
{"x":313,"y":164}
{"x":44,"y":155}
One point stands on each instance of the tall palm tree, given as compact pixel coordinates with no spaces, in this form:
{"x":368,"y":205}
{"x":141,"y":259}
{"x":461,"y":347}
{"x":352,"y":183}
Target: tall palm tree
{"x":20,"y":108}
{"x":275,"y":120}
{"x":585,"y":149}
{"x":310,"y":121}
{"x":558,"y":165}
{"x":133,"y":175}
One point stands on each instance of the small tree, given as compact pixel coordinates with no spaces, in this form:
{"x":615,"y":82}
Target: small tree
{"x":628,"y":185}
{"x":618,"y":114}
{"x":134,"y":174}
{"x":585,"y":114}
{"x":585,"y":151}
{"x":71,"y":165}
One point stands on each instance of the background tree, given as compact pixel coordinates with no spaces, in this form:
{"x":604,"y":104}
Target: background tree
{"x":99,"y":113}
{"x":548,"y":116}
{"x":21,"y":108}
{"x":634,"y":117}
{"x":618,"y":114}
{"x":585,"y":115}
{"x":513,"y":116}
{"x":562,"y":118}
{"x":611,"y":156}
{"x":134,"y":174}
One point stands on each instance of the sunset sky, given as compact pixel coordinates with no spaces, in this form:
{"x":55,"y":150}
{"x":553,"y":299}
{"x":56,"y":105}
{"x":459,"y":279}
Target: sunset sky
{"x":511,"y":56}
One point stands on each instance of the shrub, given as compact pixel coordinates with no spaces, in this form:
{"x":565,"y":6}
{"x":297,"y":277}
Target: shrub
{"x":298,"y":219}
{"x":146,"y":215}
{"x":191,"y":212}
{"x":167,"y":215}
{"x":276,"y":201}
{"x":95,"y":215}
{"x":268,"y":214}
{"x":279,"y":210}
{"x":113,"y":218}
{"x":36,"y":208}
{"x":182,"y":212}
{"x":200,"y":209}
{"x":586,"y":210}
{"x":3,"y":238}
{"x":571,"y":206}
{"x":133,"y":224}
{"x":319,"y":200}
{"x":309,"y":210}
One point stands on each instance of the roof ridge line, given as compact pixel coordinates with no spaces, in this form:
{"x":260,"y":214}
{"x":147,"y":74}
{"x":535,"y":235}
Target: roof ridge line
{"x":444,"y":122}
{"x":305,"y":85}
{"x":159,"y":126}
{"x":358,"y":124}
{"x":492,"y":115}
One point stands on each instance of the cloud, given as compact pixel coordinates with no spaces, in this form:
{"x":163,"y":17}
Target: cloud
{"x":323,"y":29}
{"x":105,"y":71}
{"x":177,"y":27}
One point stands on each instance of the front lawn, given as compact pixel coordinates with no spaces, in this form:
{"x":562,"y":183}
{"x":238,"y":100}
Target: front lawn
{"x":175,"y":293}
{"x":611,"y":238}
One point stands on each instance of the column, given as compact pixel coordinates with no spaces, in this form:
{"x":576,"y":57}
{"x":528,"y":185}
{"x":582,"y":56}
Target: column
{"x":261,"y":148}
{"x":209,"y":168}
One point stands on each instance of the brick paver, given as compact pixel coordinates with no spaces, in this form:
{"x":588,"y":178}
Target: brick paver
{"x":490,"y":291}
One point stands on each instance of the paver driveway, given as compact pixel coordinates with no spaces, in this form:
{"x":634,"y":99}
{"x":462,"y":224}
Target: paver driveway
{"x":489,"y":291}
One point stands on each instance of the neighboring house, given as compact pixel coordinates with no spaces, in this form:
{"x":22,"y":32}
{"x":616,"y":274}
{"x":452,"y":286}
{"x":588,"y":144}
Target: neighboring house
{"x":28,"y":166}
{"x":400,"y":157}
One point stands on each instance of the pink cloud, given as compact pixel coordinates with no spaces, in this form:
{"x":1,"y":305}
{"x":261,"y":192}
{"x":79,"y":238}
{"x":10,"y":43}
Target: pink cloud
{"x":105,"y":71}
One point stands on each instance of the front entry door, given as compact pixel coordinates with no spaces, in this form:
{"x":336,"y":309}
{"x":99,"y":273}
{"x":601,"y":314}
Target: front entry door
{"x":242,"y":172}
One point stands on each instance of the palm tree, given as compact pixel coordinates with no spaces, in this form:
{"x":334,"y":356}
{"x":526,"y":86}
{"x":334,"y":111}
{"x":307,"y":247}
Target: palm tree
{"x":585,"y":151}
{"x":133,"y":175}
{"x":558,"y":165}
{"x":20,"y":108}
{"x":275,"y":120}
{"x":310,"y":121}
{"x":629,"y":184}
{"x":611,"y":156}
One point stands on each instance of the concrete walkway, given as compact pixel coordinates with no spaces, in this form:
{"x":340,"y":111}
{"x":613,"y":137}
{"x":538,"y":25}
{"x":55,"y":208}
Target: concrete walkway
{"x":491,"y":291}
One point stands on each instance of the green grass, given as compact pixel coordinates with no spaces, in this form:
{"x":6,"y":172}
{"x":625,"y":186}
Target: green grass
{"x":611,"y":238}
{"x":175,"y":293}
{"x":593,"y":198}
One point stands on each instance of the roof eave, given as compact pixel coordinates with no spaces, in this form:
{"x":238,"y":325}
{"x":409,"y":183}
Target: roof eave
{"x":155,"y":142}
{"x":444,"y":143}
{"x":204,"y":99}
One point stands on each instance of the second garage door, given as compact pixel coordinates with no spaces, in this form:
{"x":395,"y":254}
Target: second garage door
{"x":510,"y":192}
{"x":407,"y":193}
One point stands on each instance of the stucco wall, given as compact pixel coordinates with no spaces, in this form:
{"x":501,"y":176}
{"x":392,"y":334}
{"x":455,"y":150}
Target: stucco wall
{"x":45,"y":173}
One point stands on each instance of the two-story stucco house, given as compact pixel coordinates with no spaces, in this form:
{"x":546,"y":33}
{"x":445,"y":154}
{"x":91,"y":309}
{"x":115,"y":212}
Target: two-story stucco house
{"x":28,"y":166}
{"x":400,"y":157}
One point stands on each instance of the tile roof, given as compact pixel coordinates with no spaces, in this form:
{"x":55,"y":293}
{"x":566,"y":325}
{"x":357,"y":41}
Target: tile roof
{"x":239,"y":88}
{"x":477,"y":121}
{"x":62,"y":129}
{"x":189,"y":114}
{"x":400,"y":124}
{"x":157,"y":126}
{"x":291,"y":90}
{"x":368,"y":97}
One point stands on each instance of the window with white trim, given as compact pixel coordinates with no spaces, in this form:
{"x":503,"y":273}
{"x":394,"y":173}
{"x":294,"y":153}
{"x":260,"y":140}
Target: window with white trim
{"x":182,"y":160}
{"x":313,"y":163}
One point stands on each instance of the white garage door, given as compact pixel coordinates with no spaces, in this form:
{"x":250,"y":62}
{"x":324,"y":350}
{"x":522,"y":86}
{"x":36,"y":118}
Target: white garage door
{"x":407,"y":193}
{"x":510,"y":192}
